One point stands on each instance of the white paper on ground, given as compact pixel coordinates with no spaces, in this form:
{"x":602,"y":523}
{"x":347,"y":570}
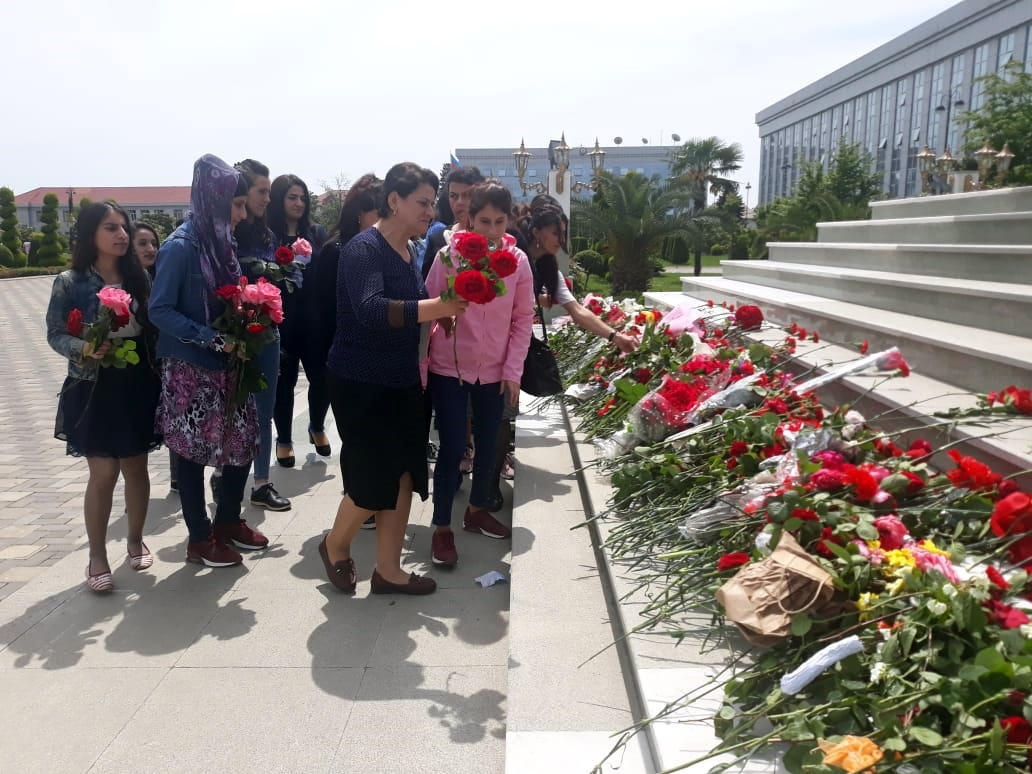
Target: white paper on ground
{"x":490,"y":579}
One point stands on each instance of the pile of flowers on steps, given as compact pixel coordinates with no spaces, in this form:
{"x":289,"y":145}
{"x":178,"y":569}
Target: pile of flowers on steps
{"x":870,"y":587}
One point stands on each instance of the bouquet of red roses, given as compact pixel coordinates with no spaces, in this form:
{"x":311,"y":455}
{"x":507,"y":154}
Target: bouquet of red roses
{"x":251,"y":310}
{"x":112,"y":315}
{"x":287,"y":266}
{"x":478,"y":269}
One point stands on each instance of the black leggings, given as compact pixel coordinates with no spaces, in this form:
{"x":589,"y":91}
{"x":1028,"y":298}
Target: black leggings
{"x":192,"y":497}
{"x":318,"y":392}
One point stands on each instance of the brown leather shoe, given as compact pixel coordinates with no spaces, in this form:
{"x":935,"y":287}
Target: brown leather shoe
{"x":341,"y":574}
{"x":417,"y":584}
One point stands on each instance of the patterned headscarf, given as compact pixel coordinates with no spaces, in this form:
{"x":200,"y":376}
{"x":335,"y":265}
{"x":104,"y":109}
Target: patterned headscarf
{"x":211,"y":199}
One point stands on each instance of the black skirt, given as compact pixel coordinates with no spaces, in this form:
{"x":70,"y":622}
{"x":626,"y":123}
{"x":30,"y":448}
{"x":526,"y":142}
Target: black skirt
{"x":112,"y":416}
{"x":383,"y":435}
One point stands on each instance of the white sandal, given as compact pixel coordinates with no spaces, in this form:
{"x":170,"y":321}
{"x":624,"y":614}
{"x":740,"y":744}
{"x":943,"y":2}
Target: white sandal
{"x":100,"y":582}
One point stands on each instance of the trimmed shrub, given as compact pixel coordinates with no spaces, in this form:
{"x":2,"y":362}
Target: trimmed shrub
{"x":6,"y":257}
{"x":591,"y":262}
{"x":49,"y":251}
{"x":719,"y":248}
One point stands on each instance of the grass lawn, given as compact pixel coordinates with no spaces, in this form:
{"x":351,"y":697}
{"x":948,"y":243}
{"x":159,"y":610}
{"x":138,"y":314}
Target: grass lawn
{"x":668,"y":281}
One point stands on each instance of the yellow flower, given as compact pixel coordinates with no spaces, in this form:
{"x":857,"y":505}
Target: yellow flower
{"x":874,"y":544}
{"x":928,"y":545}
{"x":864,"y":603}
{"x":853,"y":754}
{"x":900,"y":557}
{"x":895,"y":587}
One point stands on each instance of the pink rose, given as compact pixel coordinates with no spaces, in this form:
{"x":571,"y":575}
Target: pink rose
{"x":302,"y":247}
{"x":828,"y":480}
{"x":929,"y":560}
{"x":115,"y":299}
{"x":829,"y":459}
{"x":891,"y":532}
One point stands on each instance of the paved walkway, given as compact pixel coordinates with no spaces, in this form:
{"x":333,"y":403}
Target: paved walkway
{"x":264,"y":666}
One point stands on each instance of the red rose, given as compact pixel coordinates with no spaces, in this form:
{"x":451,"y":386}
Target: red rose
{"x":805,"y":514}
{"x":827,"y":536}
{"x":738,"y":448}
{"x":914,"y":482}
{"x":503,"y":263}
{"x":1012,"y":515}
{"x":643,"y":375}
{"x":228,"y":292}
{"x":891,"y":532}
{"x":730,"y":561}
{"x":119,"y":321}
{"x":74,"y":322}
{"x":569,"y":283}
{"x":255,"y":328}
{"x":470,"y":245}
{"x":473,"y":286}
{"x":283,"y":255}
{"x":919,"y":448}
{"x":1017,"y":729}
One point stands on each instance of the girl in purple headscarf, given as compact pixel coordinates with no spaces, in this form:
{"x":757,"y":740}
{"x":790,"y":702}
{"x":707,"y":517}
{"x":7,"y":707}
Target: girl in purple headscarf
{"x":195,"y":414}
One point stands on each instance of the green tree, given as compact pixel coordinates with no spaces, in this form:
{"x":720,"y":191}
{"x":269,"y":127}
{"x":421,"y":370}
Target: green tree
{"x":634,"y":215}
{"x":162,"y":222}
{"x":9,"y":236}
{"x":1005,"y":117}
{"x":326,"y":207}
{"x":49,"y":252}
{"x":703,"y":165}
{"x":591,"y":262}
{"x":850,"y":178}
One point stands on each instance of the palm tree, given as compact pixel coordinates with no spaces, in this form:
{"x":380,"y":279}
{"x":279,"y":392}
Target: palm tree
{"x":634,"y":215}
{"x":703,"y":163}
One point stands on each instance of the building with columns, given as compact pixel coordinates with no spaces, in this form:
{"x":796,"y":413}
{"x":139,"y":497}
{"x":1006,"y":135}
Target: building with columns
{"x":137,"y":201}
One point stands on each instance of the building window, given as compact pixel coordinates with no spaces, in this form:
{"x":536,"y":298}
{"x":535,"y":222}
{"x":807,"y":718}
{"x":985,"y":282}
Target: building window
{"x":132,"y":214}
{"x":957,"y":92}
{"x":872,"y":122}
{"x":177,"y":214}
{"x":1006,"y":52}
{"x":1028,"y":49}
{"x":859,"y":117}
{"x":938,"y":94}
{"x":981,"y":69}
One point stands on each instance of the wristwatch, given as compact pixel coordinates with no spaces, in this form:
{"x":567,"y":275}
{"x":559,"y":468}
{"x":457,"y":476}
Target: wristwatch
{"x":611,"y":336}
{"x":218,"y":342}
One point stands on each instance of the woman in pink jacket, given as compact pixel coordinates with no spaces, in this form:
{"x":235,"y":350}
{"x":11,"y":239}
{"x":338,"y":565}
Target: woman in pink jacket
{"x":480,"y":362}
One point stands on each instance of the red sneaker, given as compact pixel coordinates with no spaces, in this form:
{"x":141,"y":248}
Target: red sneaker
{"x":212,"y":553}
{"x":241,"y":536}
{"x":483,"y":522}
{"x":442,"y":549}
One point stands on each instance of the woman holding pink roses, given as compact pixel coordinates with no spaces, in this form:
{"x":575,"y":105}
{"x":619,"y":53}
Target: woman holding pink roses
{"x":97,"y":318}
{"x":301,"y":342}
{"x":200,"y":415}
{"x":478,"y":361}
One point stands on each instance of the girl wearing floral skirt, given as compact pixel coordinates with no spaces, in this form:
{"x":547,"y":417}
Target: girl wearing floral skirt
{"x":198,"y":415}
{"x":106,"y":409}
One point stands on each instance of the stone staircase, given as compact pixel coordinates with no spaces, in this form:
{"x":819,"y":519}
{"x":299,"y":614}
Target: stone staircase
{"x":947,"y":279}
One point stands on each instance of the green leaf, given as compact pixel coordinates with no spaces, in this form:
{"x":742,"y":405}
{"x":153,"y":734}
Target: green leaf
{"x":867,"y":530}
{"x":801,"y":624}
{"x":894,"y":743}
{"x":926,"y":736}
{"x":793,"y":524}
{"x":991,"y":659}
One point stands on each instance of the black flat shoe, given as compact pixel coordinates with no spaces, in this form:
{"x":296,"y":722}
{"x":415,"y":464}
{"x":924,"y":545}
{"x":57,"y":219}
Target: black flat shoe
{"x":285,"y":462}
{"x":323,"y":450}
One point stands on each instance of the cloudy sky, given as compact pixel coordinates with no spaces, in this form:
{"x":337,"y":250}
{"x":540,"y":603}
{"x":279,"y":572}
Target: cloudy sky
{"x":122,"y":92}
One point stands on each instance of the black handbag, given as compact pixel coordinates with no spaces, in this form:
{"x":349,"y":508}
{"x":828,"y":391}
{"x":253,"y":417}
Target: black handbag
{"x":540,"y":371}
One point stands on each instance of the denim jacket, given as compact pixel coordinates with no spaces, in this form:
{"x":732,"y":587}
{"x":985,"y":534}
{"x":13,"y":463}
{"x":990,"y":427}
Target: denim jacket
{"x":73,"y":290}
{"x":177,"y":304}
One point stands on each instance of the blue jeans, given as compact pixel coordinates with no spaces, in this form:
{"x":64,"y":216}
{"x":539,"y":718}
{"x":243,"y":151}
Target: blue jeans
{"x":192,"y":496}
{"x":450,"y":400}
{"x":268,"y":361}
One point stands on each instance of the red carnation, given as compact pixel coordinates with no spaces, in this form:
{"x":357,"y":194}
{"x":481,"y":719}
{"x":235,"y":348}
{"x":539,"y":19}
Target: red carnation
{"x":502,"y":262}
{"x":971,"y":474}
{"x":255,"y":328}
{"x":74,"y":322}
{"x":732,"y":560}
{"x":1012,"y":515}
{"x":864,"y":346}
{"x":805,"y":514}
{"x":919,"y":448}
{"x":1018,"y":730}
{"x":1019,"y":401}
{"x":865,"y":486}
{"x":828,"y":480}
{"x":471,"y":245}
{"x":749,"y":317}
{"x":1005,"y":615}
{"x":283,"y":255}
{"x":643,"y":375}
{"x":473,"y":286}
{"x":997,"y":579}
{"x":827,"y":536}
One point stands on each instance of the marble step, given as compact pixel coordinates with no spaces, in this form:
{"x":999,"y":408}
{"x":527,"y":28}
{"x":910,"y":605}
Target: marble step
{"x":974,"y":203}
{"x":970,"y":358}
{"x":898,"y":404}
{"x":1008,"y":228}
{"x":993,"y":263}
{"x":1006,"y":307}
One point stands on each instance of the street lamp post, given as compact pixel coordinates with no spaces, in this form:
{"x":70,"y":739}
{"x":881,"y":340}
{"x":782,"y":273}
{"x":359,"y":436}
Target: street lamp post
{"x":560,"y":181}
{"x":71,"y":205}
{"x":748,"y":188}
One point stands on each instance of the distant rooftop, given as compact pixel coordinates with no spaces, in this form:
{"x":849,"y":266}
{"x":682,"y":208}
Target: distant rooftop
{"x":134,"y":195}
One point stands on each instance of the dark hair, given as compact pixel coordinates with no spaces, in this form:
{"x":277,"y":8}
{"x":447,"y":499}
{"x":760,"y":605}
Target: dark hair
{"x":490,"y":193}
{"x":464,"y":175}
{"x":403,"y":179}
{"x":134,"y":277}
{"x":545,"y":268}
{"x":277,"y":214}
{"x":250,"y":234}
{"x":363,"y":196}
{"x":144,"y":226}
